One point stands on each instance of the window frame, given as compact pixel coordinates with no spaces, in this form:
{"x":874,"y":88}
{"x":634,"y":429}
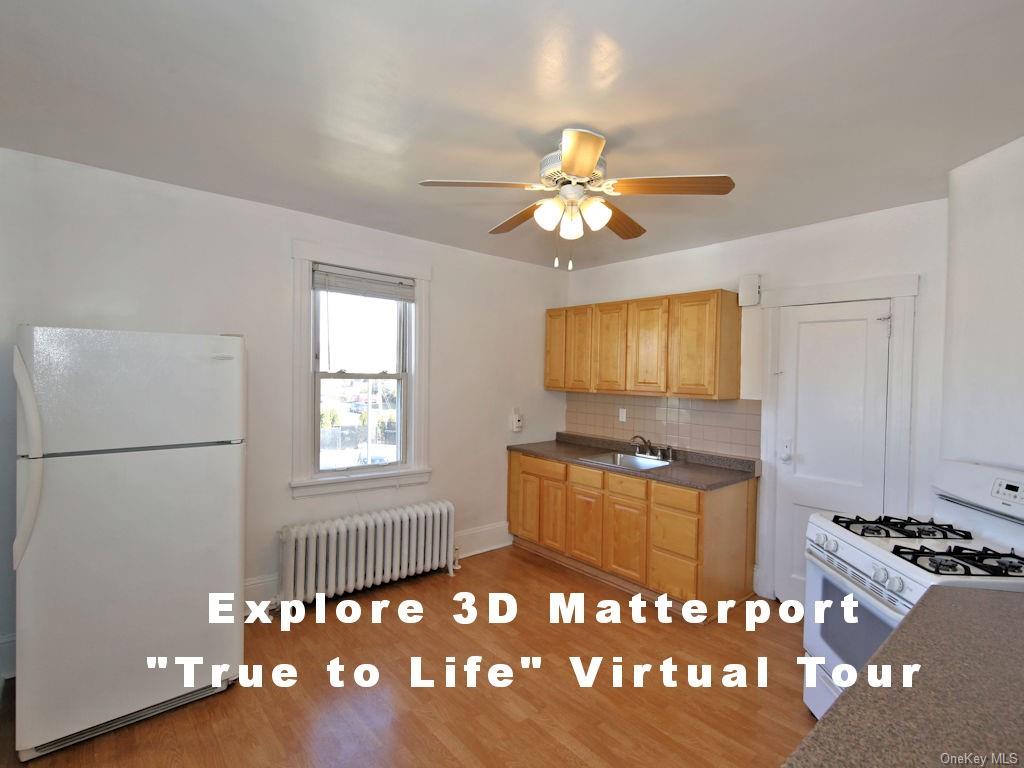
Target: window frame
{"x":406,"y":312}
{"x":415,"y":469}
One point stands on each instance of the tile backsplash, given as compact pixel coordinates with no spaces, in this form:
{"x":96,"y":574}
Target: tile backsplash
{"x":722,"y":426}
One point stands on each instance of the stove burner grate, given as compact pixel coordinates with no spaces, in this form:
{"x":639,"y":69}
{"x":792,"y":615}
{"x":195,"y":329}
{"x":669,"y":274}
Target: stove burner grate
{"x":899,"y":527}
{"x":963,"y":561}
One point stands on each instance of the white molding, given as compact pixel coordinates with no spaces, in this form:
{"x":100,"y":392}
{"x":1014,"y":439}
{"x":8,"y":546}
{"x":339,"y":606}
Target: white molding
{"x":899,"y":404}
{"x":888,"y":287}
{"x":417,"y":469}
{"x":261,"y":587}
{"x":7,"y":656}
{"x":373,"y":261}
{"x":482,"y":538}
{"x":764,"y":567}
{"x":367,"y":481}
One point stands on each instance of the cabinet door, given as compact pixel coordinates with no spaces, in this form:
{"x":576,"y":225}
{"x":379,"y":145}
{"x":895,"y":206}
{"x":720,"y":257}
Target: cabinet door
{"x":625,"y":538}
{"x":610,"y":346}
{"x":529,"y":506}
{"x":552,"y":514}
{"x":584,"y":525}
{"x":578,"y":357}
{"x":673,"y":575}
{"x":514,"y":478}
{"x":693,"y":343}
{"x":554,"y":349}
{"x":647,"y":345}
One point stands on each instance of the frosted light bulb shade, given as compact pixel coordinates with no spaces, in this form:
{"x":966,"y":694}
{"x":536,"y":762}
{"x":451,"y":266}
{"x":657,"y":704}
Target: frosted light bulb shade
{"x":572,"y":224}
{"x":570,"y":265}
{"x":556,"y":262}
{"x":595,"y":212}
{"x":548,"y":213}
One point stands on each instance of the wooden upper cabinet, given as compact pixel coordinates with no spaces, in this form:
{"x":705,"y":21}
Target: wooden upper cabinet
{"x":647,"y":345}
{"x":610,"y":324}
{"x":554,"y":349}
{"x":578,"y":352}
{"x":703,"y":345}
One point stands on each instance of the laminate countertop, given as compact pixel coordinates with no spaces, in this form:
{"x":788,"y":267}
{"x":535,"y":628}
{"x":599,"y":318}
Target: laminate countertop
{"x":966,"y":699}
{"x":692,"y":469}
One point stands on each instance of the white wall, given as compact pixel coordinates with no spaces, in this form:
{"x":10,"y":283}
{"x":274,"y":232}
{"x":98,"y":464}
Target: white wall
{"x":897,"y":241}
{"x":85,"y":247}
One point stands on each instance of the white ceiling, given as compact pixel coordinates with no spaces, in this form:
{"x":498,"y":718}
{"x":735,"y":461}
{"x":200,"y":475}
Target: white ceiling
{"x":817,"y":108}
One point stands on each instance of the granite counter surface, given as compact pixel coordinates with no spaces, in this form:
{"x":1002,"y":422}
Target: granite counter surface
{"x":703,"y":472}
{"x":966,"y":698}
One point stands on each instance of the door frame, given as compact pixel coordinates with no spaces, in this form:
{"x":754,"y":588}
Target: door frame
{"x":901,"y":290}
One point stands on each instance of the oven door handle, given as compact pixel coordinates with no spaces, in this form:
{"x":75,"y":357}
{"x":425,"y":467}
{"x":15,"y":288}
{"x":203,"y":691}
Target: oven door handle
{"x":856,"y":589}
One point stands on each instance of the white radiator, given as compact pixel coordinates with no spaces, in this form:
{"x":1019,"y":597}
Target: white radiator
{"x":365,"y":549}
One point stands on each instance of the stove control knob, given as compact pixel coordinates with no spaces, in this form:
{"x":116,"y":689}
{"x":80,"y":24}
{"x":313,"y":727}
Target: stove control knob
{"x":820,"y":539}
{"x":880,"y":574}
{"x":831,"y":545}
{"x":895,"y":584}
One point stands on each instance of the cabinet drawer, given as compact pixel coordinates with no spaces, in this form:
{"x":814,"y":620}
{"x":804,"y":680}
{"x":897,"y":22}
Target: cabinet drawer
{"x":623,"y":485}
{"x":677,"y":532}
{"x":676,"y":497}
{"x":672,"y":574}
{"x":592,"y":478}
{"x":542,"y":467}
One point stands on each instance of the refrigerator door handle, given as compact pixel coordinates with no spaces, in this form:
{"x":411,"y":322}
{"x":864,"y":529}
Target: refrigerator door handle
{"x":29,"y":406}
{"x":34,"y":436}
{"x":27,"y":515}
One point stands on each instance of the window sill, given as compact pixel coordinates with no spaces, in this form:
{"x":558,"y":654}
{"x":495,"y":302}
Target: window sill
{"x":360,"y":481}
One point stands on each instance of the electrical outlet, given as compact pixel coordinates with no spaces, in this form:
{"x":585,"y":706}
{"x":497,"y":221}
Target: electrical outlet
{"x":622,"y":415}
{"x":515,"y":421}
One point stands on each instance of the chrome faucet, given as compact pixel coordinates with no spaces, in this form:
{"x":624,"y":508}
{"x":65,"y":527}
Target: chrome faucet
{"x":644,"y":443}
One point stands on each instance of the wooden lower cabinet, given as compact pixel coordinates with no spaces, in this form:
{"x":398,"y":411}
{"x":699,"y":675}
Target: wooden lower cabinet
{"x":686,"y":543}
{"x":552,"y":514}
{"x":529,"y":507}
{"x":585,"y":525}
{"x":625,"y":538}
{"x":672,"y":574}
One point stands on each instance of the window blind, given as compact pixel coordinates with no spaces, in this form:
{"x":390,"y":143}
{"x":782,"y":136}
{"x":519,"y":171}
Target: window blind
{"x":371,"y":284}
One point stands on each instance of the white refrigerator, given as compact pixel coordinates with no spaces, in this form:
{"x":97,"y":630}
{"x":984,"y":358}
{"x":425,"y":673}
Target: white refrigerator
{"x":130,"y":483}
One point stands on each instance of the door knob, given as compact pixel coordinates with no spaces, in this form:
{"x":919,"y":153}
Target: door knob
{"x":786,"y":451}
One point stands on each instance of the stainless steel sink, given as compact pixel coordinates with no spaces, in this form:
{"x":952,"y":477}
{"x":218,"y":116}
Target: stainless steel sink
{"x":628,"y":461}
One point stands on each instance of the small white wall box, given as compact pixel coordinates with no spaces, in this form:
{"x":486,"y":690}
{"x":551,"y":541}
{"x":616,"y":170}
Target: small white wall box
{"x":750,"y":290}
{"x":515,"y":421}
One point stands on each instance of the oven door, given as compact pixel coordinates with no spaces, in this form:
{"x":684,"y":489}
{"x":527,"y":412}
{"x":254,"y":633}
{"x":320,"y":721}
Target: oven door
{"x":834,"y":639}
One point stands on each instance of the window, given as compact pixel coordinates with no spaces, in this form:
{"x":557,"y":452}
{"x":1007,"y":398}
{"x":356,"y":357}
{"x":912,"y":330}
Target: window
{"x":359,"y":369}
{"x":361,"y":331}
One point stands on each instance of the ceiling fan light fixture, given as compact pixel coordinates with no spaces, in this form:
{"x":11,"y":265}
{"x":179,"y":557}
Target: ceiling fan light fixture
{"x":595,"y":213}
{"x":572,"y":223}
{"x":548,"y":213}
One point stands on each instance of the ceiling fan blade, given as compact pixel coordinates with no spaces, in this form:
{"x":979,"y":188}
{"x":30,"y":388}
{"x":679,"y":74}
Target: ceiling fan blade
{"x":514,"y":220}
{"x":580,"y":152}
{"x":622,"y":224}
{"x":672,"y":185}
{"x":491,"y":184}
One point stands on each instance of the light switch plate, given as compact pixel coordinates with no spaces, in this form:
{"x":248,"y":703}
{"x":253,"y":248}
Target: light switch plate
{"x":622,"y":415}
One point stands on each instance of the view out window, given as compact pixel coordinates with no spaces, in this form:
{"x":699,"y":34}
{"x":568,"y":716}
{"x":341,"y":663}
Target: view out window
{"x":361,"y":333}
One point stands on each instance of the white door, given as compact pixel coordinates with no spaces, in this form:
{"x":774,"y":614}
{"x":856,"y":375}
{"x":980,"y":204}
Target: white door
{"x":830,"y":455}
{"x":124,"y":551}
{"x":108,"y":390}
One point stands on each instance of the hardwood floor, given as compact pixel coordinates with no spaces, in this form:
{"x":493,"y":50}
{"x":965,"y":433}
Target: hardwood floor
{"x":542,"y":719}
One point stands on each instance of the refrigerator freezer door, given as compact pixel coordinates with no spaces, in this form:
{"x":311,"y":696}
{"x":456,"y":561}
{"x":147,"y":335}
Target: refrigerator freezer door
{"x":125,"y":550}
{"x":109,"y":390}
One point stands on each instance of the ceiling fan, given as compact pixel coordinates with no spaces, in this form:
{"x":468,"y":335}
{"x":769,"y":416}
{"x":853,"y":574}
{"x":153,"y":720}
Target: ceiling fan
{"x":576,"y":171}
